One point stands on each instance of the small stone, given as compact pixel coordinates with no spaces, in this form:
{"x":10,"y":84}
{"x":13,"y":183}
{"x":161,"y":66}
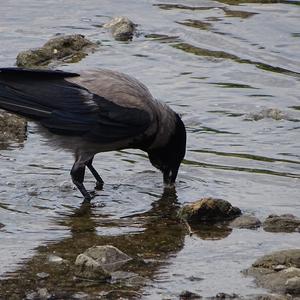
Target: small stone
{"x":80,"y":296}
{"x":293,"y":286}
{"x":209,"y":210}
{"x":55,"y":259}
{"x":42,"y":275}
{"x":278,"y":268}
{"x":186,"y":295}
{"x":247,"y":222}
{"x":282,"y":223}
{"x":66,"y":186}
{"x":122,"y":28}
{"x":226,"y":296}
{"x":43,"y":294}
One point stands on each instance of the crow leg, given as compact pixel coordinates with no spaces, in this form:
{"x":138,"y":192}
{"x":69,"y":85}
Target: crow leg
{"x":100,"y":182}
{"x":77,"y":174}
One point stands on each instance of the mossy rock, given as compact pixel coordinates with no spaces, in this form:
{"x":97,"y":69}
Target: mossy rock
{"x":69,"y":48}
{"x":209,"y":210}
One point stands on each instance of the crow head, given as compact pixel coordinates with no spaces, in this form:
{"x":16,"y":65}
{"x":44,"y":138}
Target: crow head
{"x":169,"y":157}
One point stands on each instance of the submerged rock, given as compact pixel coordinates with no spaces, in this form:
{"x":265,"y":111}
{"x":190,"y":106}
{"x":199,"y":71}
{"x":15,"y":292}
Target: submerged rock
{"x":187,"y":295}
{"x":282,"y":223}
{"x":121,"y":28}
{"x":268,"y":113}
{"x":283,"y":280}
{"x":209,"y":210}
{"x":69,"y":48}
{"x":88,"y":268}
{"x":110,"y":257}
{"x":225,"y":296}
{"x":12,"y":127}
{"x":248,"y":222}
{"x":99,"y":261}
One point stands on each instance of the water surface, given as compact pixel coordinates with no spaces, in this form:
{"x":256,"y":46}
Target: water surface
{"x":214,"y":62}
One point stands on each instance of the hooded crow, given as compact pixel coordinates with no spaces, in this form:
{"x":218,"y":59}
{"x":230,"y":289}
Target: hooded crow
{"x":96,"y":111}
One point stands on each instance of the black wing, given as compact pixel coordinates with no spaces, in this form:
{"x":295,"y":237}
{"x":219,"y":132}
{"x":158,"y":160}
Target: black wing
{"x":66,"y":108}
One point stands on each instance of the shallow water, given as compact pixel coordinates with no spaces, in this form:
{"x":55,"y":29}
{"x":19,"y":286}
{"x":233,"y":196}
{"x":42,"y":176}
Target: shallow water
{"x":214,"y":62}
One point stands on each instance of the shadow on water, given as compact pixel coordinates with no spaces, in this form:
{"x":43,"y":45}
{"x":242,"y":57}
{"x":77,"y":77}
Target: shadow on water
{"x":162,"y":236}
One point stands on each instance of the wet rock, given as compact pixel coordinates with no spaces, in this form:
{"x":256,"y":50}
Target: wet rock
{"x":41,"y":294}
{"x":284,"y":280}
{"x":248,"y":222}
{"x":128,"y":278}
{"x":282,"y":223}
{"x":66,"y":186}
{"x":55,"y":259}
{"x":269,"y":297}
{"x":12,"y":127}
{"x":121,"y":28}
{"x":186,"y":295}
{"x":80,"y":296}
{"x":69,"y":48}
{"x":88,"y":268}
{"x":292,"y":285}
{"x":109,"y":257}
{"x":120,"y":294}
{"x":209,"y":210}
{"x":269,"y":113}
{"x":42,"y":275}
{"x":225,"y":296}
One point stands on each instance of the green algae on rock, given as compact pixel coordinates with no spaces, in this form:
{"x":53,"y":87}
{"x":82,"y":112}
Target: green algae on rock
{"x":68,"y":48}
{"x":209,"y":210}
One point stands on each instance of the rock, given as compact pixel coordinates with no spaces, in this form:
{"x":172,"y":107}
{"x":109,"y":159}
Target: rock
{"x":97,"y":262}
{"x":209,"y":210}
{"x":109,"y":257}
{"x":121,"y":28}
{"x":88,"y":268}
{"x":225,"y":296}
{"x":186,"y":295}
{"x":292,"y":285}
{"x":12,"y":127}
{"x":284,"y":279}
{"x":282,"y":223}
{"x":1,"y":225}
{"x":42,"y":275}
{"x":288,"y":258}
{"x":41,"y":294}
{"x":248,"y":222}
{"x":269,"y":297}
{"x":68,"y":48}
{"x":66,"y":186}
{"x":80,"y":296}
{"x":271,"y":113}
{"x":55,"y":259}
